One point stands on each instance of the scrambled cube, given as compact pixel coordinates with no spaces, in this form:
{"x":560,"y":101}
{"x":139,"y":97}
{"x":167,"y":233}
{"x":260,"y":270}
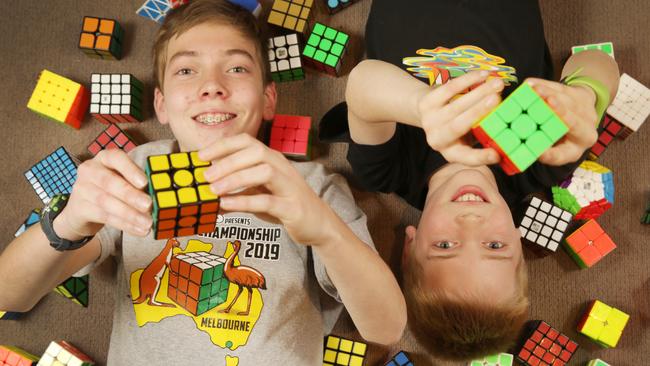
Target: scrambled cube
{"x":598,"y":362}
{"x":603,"y":324}
{"x":607,"y":47}
{"x":610,"y":128}
{"x":325,"y":48}
{"x":32,"y":218}
{"x":502,"y":359}
{"x":545,"y":345}
{"x":111,"y":138}
{"x":196,"y":281}
{"x":53,"y":175}
{"x":101,"y":38}
{"x":291,"y":135}
{"x":9,"y":315}
{"x":589,"y":244}
{"x":291,"y":14}
{"x":631,"y":106}
{"x":75,"y":289}
{"x":544,"y":224}
{"x":60,"y":99}
{"x":341,"y":351}
{"x":587,"y":193}
{"x":63,"y":353}
{"x":333,"y":6}
{"x":116,"y":98}
{"x":520,"y":129}
{"x":400,"y":359}
{"x":284,"y":56}
{"x":14,"y":356}
{"x":155,"y":10}
{"x":183,"y":203}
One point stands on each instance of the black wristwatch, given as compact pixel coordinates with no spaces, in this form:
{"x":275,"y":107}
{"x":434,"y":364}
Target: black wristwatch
{"x":50,"y":212}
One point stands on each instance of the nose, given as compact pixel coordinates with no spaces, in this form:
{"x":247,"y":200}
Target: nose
{"x":469,"y":218}
{"x":213,"y":87}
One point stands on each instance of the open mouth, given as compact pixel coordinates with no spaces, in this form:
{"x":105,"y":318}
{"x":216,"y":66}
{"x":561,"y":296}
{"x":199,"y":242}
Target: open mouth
{"x":469,"y":194}
{"x":213,"y":118}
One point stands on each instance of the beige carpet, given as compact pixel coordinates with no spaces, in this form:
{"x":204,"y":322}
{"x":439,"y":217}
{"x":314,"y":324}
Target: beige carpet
{"x":43,"y":34}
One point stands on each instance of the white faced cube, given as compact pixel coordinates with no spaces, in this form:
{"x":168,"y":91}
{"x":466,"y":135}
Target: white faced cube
{"x":544,"y":224}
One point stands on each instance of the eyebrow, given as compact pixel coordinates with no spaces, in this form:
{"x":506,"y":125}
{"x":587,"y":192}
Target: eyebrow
{"x":230,"y":52}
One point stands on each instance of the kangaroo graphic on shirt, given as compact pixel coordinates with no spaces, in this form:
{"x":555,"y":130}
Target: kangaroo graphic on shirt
{"x":151,"y":277}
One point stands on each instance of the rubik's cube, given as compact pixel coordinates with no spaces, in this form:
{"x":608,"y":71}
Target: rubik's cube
{"x":116,"y":98}
{"x":545,"y":345}
{"x":284,"y":56}
{"x":155,"y":10}
{"x":291,"y":14}
{"x":610,"y":128}
{"x":603,"y":324}
{"x":111,"y":138}
{"x":53,"y":175}
{"x":341,"y":351}
{"x":333,"y":6}
{"x":544,"y":224}
{"x":325,"y":48}
{"x":291,"y":135}
{"x":251,"y":5}
{"x":502,"y":359}
{"x":587,"y":193}
{"x":631,"y":106}
{"x":75,"y":289}
{"x":589,"y":244}
{"x":60,"y":99}
{"x":183,"y":203}
{"x":197,"y":282}
{"x":9,"y":315}
{"x":598,"y":362}
{"x":645,"y":219}
{"x":14,"y":356}
{"x":607,"y":47}
{"x":400,"y":359}
{"x":101,"y":38}
{"x":63,"y":353}
{"x":520,"y":129}
{"x":32,"y":218}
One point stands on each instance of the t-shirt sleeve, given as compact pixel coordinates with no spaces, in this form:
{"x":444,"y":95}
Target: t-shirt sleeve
{"x":109,"y":239}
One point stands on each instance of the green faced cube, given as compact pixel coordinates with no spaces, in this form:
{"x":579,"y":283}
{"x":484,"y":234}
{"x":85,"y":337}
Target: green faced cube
{"x":325,"y":48}
{"x":502,"y":359}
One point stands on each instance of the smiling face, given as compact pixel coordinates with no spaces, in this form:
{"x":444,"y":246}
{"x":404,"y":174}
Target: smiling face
{"x":213,"y":86}
{"x":466,"y":241}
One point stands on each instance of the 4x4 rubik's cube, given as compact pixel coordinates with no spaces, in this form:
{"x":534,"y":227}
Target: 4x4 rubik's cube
{"x":544,"y":224}
{"x":502,"y":359}
{"x":116,"y":98}
{"x":545,"y":345}
{"x":101,"y":38}
{"x":60,"y":99}
{"x":325,"y":49}
{"x":589,"y":244}
{"x":183,"y":203}
{"x":587,"y":193}
{"x":603,"y":324}
{"x":520,"y":129}
{"x":344,"y":352}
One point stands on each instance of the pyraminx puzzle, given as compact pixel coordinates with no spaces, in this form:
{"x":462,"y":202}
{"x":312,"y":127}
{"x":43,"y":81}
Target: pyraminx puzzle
{"x":75,"y":289}
{"x":291,"y":14}
{"x":60,"y":99}
{"x":589,"y":244}
{"x":325,"y":49}
{"x":291,"y":135}
{"x":631,"y":106}
{"x":544,"y":224}
{"x":598,"y":362}
{"x":156,"y":10}
{"x":502,"y":359}
{"x":400,"y":359}
{"x":344,"y":352}
{"x":607,"y":47}
{"x":603,"y":324}
{"x":53,"y":175}
{"x":111,"y":138}
{"x":587,"y":193}
{"x":101,"y":38}
{"x":116,"y":98}
{"x":33,"y":217}
{"x":9,"y":315}
{"x":183,"y":203}
{"x":520,"y":129}
{"x":63,"y":353}
{"x":197,"y":282}
{"x":284,"y":56}
{"x":14,"y":356}
{"x":546,"y":346}
{"x":609,"y":129}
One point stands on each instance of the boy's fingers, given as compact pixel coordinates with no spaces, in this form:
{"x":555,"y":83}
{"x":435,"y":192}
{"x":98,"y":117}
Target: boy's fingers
{"x":115,"y":185}
{"x":262,"y":174}
{"x":462,"y":124}
{"x":119,"y":161}
{"x":225,"y":146}
{"x":114,"y":212}
{"x":245,"y":158}
{"x":476,"y":96}
{"x":473,"y":157}
{"x":562,"y":153}
{"x":552,"y":85}
{"x":443,"y":94}
{"x":259,"y":203}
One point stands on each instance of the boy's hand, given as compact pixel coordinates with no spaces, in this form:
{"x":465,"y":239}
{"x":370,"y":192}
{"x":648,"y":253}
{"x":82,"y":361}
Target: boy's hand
{"x":108,"y":190}
{"x":446,"y":121}
{"x":575,"y":105}
{"x":251,"y":177}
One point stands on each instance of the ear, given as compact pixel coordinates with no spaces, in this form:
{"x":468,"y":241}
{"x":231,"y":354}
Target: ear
{"x":409,"y":240}
{"x":270,"y":100}
{"x":159,"y":106}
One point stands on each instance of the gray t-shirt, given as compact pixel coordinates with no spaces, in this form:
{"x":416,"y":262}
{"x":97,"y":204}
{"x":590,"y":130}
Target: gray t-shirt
{"x":171,"y":295}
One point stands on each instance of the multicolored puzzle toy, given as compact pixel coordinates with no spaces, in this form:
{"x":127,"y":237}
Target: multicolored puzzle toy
{"x":9,"y":315}
{"x":60,"y":99}
{"x":291,"y":135}
{"x":284,"y":56}
{"x":545,"y":345}
{"x":14,"y":356}
{"x":400,"y":359}
{"x":502,"y":359}
{"x":325,"y":49}
{"x":101,"y":38}
{"x":544,"y":224}
{"x":116,"y":98}
{"x":587,"y":193}
{"x":589,"y":244}
{"x":63,"y":353}
{"x":55,"y":174}
{"x":75,"y":289}
{"x":183,"y":203}
{"x":341,"y":351}
{"x":598,"y":362}
{"x":520,"y":129}
{"x":291,"y":14}
{"x":156,"y":10}
{"x":607,"y":47}
{"x":631,"y":106}
{"x":32,"y":218}
{"x":334,"y":6}
{"x":197,"y":282}
{"x":609,"y":129}
{"x":111,"y":138}
{"x":603,"y":324}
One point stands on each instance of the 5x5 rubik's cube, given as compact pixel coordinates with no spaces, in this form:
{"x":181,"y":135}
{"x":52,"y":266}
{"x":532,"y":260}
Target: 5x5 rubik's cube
{"x":183,"y":203}
{"x":101,"y":38}
{"x":520,"y":129}
{"x":587,"y":193}
{"x":545,"y":345}
{"x":60,"y":99}
{"x":116,"y":98}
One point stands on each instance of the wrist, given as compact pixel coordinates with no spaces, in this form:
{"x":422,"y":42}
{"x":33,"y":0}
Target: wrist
{"x":63,"y":230}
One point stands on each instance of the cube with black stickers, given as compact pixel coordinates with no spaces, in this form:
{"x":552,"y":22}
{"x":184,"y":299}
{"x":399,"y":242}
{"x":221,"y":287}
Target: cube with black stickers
{"x":544,"y":224}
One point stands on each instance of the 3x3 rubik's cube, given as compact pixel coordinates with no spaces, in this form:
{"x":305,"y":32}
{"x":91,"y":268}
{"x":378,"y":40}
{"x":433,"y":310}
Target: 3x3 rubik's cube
{"x":63,"y":353}
{"x":183,"y":203}
{"x":197,"y":282}
{"x":291,"y":135}
{"x":587,"y":193}
{"x":603,"y":324}
{"x":111,"y":138}
{"x":325,"y":49}
{"x":116,"y":98}
{"x":545,"y":345}
{"x":343,"y":352}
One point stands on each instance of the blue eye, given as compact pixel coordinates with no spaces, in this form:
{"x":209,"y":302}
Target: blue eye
{"x":495,"y":245}
{"x":444,"y":244}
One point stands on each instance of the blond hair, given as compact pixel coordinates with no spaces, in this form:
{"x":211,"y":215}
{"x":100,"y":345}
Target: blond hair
{"x":197,"y":12}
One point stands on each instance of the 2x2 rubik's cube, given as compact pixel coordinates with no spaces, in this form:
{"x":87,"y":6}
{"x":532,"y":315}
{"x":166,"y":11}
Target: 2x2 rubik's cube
{"x":603,"y":324}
